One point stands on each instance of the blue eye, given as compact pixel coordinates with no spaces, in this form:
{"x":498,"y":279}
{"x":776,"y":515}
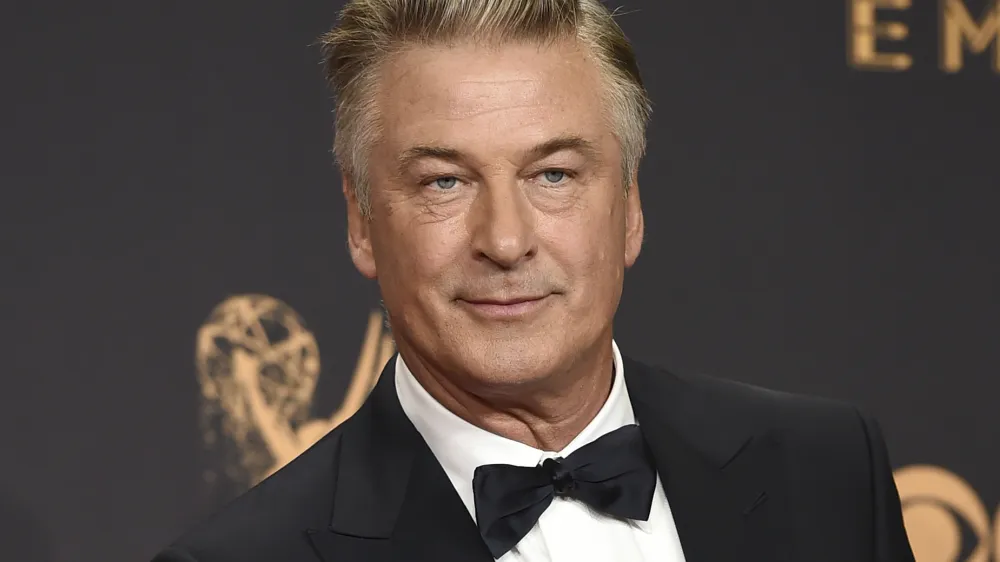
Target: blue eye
{"x":554,"y":176}
{"x":445,"y":183}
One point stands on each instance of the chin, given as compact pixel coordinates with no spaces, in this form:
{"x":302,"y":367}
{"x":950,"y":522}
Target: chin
{"x":508,"y":360}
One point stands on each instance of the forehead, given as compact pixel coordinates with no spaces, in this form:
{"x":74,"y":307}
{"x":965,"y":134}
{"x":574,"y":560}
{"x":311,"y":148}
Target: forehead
{"x":518,"y":93}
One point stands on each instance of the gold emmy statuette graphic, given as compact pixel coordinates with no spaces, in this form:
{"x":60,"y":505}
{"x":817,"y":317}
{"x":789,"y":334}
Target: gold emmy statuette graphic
{"x":258,"y":366}
{"x":932,"y":497}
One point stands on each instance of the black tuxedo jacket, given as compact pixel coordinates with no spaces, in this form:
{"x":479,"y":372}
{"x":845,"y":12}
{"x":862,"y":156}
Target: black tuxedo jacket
{"x":752,"y":475}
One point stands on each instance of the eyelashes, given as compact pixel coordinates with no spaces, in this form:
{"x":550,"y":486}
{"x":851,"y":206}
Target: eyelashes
{"x":550,"y":177}
{"x":440,"y":182}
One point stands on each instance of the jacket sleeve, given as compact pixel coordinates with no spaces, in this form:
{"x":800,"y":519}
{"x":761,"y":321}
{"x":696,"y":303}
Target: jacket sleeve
{"x":890,"y":540}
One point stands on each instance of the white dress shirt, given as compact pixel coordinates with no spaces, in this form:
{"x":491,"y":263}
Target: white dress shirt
{"x":569,"y":530}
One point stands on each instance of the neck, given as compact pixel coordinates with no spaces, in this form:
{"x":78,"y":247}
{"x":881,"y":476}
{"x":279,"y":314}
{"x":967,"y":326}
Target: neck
{"x":546,"y":414}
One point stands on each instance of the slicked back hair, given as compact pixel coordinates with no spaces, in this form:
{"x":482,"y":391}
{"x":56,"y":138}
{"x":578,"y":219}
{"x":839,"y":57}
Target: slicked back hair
{"x":370,"y":31}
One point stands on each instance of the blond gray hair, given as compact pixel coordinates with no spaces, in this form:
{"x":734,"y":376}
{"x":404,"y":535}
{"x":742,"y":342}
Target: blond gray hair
{"x":370,"y":31}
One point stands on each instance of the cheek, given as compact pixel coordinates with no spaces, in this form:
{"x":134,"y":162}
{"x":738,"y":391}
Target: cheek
{"x":586,"y":250}
{"x":592,"y":252}
{"x":416,"y":255}
{"x":604,"y":229}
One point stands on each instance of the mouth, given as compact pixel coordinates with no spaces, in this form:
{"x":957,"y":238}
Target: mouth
{"x":506,"y":307}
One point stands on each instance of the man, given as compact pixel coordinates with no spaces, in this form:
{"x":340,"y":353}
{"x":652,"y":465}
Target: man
{"x":489,"y":152}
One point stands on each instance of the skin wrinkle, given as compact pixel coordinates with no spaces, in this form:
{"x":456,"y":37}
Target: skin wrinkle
{"x":472,"y":89}
{"x":501,"y":231}
{"x":589,"y":30}
{"x":585,"y":174}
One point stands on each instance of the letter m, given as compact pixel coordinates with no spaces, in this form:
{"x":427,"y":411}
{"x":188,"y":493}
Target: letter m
{"x":959,"y":29}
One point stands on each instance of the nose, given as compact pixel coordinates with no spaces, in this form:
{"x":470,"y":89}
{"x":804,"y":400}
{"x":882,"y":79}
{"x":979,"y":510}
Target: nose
{"x":503,"y":228}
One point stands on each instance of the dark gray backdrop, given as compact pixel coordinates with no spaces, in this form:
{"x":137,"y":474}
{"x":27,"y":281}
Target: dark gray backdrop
{"x":812,"y":226}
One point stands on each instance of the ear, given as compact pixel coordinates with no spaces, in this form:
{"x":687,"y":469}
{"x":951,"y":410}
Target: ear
{"x":359,"y":241}
{"x":635,"y":226}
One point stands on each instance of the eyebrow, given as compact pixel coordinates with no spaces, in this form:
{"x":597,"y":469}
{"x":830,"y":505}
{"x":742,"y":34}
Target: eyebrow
{"x":565,"y":142}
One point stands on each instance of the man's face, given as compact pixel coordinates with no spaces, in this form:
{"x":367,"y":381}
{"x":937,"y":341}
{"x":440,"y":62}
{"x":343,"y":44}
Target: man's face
{"x":499,"y":231}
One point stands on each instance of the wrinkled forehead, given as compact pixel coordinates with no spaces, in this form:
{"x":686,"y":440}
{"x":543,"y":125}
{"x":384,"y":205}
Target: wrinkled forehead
{"x":511,"y":95}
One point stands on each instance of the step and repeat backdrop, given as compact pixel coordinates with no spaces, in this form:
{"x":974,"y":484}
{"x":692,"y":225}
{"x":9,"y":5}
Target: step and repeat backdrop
{"x":181,"y":318}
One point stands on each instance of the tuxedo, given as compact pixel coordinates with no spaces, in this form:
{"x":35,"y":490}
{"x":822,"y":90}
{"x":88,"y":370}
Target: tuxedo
{"x":751,"y":475}
{"x":569,"y":529}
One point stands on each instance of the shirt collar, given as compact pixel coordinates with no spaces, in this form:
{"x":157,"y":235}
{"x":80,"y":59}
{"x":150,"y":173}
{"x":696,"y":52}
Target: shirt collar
{"x":460,"y":447}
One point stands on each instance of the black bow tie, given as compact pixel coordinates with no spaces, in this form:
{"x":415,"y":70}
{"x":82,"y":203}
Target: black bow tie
{"x":613,"y":475}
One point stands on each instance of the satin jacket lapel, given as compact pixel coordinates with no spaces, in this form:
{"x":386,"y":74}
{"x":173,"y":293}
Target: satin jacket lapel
{"x":721,"y":475}
{"x":393,"y":502}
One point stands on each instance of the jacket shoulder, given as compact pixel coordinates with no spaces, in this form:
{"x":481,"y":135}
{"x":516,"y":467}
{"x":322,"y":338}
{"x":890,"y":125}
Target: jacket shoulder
{"x":262,"y":523}
{"x":774,"y":407}
{"x":807,"y":424}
